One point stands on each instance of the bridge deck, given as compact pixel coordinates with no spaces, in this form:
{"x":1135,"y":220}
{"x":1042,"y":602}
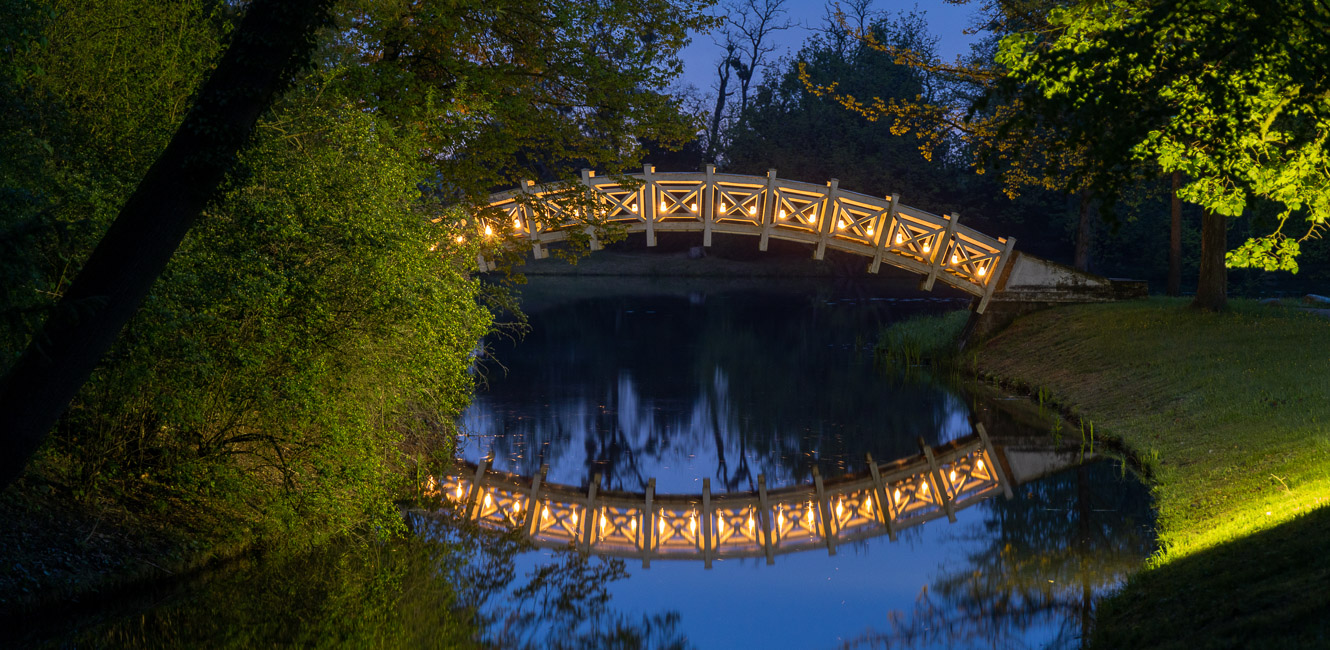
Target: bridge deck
{"x":883,"y":229}
{"x":886,"y":498}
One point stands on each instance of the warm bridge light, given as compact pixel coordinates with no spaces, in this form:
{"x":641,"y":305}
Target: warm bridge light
{"x":517,"y":224}
{"x":663,"y":207}
{"x":953,"y":476}
{"x":955,"y":259}
{"x":870,"y":231}
{"x":694,"y":208}
{"x":782,"y":213}
{"x":633,"y":208}
{"x":602,"y":522}
{"x":459,"y":239}
{"x":927,"y":247}
{"x":488,"y":230}
{"x":898,"y":495}
{"x":722,"y":206}
{"x":488,"y":500}
{"x":981,"y":271}
{"x":752,"y":210}
{"x":840,"y":225}
{"x":574,"y":517}
{"x":923,"y":487}
{"x":980,"y":464}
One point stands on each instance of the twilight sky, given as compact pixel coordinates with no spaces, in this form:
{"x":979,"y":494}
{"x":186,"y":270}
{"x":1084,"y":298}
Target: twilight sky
{"x":946,"y":21}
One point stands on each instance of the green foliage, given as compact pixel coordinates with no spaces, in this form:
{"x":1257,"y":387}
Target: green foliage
{"x":312,"y":337}
{"x":1230,"y":94}
{"x":930,"y":338}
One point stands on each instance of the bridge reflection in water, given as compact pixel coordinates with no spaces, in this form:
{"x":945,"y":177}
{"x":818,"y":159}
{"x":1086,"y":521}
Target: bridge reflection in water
{"x":885,"y":499}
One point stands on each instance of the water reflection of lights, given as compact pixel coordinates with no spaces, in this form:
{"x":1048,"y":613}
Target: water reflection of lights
{"x":736,"y":524}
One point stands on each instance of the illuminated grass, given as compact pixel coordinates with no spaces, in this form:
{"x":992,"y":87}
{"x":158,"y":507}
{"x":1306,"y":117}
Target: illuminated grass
{"x":1231,"y":413}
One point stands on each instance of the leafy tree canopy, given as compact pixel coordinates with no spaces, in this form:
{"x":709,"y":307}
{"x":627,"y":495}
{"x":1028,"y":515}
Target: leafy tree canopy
{"x":1234,"y":94}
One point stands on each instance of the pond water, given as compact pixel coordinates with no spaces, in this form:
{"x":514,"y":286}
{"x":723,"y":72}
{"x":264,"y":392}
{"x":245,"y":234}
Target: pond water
{"x":685,"y":382}
{"x":682,"y":386}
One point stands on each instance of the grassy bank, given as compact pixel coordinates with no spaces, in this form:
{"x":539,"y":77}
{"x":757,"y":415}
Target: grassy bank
{"x":1231,"y":414}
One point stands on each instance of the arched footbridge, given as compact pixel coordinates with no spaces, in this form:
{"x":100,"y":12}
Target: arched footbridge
{"x":883,"y":500}
{"x":883,"y":229}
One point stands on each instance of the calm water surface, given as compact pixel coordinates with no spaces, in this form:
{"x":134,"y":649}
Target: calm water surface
{"x":682,"y":382}
{"x":681,"y":386}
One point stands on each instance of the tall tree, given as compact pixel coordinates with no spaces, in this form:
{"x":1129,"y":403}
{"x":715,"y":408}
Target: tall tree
{"x":273,"y":40}
{"x":1232,"y":95}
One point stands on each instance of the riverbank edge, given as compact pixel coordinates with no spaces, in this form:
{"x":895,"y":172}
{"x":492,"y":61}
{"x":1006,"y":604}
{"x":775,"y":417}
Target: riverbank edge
{"x":1195,"y":593}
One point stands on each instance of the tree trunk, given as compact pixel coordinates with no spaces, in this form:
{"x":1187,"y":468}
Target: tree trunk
{"x":1212,"y":285}
{"x":1175,"y":238}
{"x":273,"y":41}
{"x":713,"y":135}
{"x":1083,"y":234}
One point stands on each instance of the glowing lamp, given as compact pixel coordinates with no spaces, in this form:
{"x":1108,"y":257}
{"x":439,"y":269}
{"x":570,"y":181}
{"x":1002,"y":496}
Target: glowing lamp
{"x":927,"y":247}
{"x":953,"y":476}
{"x":900,"y":238}
{"x":782,"y":213}
{"x":488,"y":230}
{"x":574,"y":517}
{"x":488,"y":500}
{"x":980,"y":464}
{"x":722,"y":206}
{"x":517,"y":224}
{"x":981,"y":271}
{"x":955,"y":259}
{"x":752,"y":210}
{"x":663,"y":207}
{"x":459,"y":239}
{"x":694,"y":208}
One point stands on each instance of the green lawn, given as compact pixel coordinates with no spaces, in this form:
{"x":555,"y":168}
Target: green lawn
{"x":1231,"y":415}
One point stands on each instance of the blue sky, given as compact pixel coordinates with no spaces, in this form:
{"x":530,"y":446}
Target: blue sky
{"x":946,"y":21}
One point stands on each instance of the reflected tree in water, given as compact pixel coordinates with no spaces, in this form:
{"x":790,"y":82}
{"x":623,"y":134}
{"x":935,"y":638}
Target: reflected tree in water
{"x":1042,"y":560}
{"x":761,"y":384}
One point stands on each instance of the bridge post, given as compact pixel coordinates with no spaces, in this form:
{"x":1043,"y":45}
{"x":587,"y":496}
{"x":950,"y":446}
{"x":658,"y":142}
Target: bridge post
{"x":709,"y":197}
{"x":649,"y":196}
{"x":532,"y":524}
{"x":940,"y":252}
{"x":589,"y":523}
{"x":827,"y":214}
{"x":587,"y":175}
{"x":649,"y":525}
{"x":764,"y":518}
{"x":769,"y":202}
{"x":884,"y":233}
{"x":993,"y":461}
{"x":880,"y":489}
{"x":943,"y":490}
{"x":536,"y":248}
{"x":477,"y":488}
{"x":706,"y":522}
{"x":824,"y":512}
{"x":995,"y":274}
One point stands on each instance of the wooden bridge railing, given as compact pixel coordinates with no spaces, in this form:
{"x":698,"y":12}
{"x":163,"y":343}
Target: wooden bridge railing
{"x":885,"y":499}
{"x":883,"y":229}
